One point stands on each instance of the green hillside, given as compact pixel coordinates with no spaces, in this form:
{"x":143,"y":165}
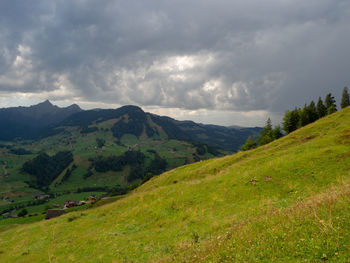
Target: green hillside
{"x":92,"y":158}
{"x":288,"y":201}
{"x":56,"y":153}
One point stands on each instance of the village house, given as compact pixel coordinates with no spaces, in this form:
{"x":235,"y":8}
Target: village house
{"x":70,"y":203}
{"x":92,"y":198}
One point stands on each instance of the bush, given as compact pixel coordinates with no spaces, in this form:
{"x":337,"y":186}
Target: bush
{"x":22,"y":213}
{"x":100,"y":142}
{"x":118,"y":190}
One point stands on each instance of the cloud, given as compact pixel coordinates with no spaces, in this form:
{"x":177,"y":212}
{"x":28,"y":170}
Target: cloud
{"x":199,"y":55}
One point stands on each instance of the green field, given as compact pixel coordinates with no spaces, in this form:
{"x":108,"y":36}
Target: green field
{"x":288,"y":201}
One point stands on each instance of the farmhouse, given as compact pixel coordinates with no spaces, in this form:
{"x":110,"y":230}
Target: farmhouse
{"x":70,"y":203}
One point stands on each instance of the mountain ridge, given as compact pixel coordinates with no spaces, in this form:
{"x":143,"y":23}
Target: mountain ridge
{"x":31,"y":122}
{"x":45,"y":119}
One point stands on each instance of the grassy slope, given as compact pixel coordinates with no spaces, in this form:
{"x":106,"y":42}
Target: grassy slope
{"x":298,"y":210}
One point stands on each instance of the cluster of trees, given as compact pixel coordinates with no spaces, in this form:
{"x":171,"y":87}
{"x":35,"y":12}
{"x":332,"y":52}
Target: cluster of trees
{"x":157,"y":165}
{"x":23,"y":212}
{"x":266,"y":135}
{"x":203,"y":148}
{"x":92,"y":189}
{"x":135,"y":159}
{"x":299,"y":117}
{"x":19,"y":151}
{"x":116,"y":163}
{"x":118,"y":190}
{"x":45,"y":168}
{"x":86,"y":130}
{"x":100,"y":142}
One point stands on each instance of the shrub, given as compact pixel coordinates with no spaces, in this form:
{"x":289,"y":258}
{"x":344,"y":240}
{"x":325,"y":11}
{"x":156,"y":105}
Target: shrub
{"x":22,"y":213}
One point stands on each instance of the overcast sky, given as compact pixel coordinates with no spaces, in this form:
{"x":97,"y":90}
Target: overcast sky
{"x":232,"y":62}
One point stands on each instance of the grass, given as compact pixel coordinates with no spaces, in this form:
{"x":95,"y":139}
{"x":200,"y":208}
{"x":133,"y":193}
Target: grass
{"x":12,"y":222}
{"x":288,"y":201}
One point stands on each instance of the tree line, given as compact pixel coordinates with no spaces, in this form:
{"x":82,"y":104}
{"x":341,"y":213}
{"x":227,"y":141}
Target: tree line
{"x":297,"y":118}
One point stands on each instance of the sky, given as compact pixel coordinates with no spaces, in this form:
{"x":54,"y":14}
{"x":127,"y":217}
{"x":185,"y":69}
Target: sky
{"x":234,"y":62}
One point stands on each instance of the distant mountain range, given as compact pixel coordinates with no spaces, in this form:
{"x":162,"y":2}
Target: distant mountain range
{"x":45,"y":119}
{"x":32,"y":122}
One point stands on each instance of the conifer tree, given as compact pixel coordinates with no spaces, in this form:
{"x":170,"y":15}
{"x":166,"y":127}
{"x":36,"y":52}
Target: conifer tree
{"x":331,"y":109}
{"x":249,"y":144}
{"x":277,"y":132}
{"x":268,"y":126}
{"x":321,"y":109}
{"x":303,"y":117}
{"x":313,"y":116}
{"x":266,"y":133}
{"x":291,"y":120}
{"x":330,"y":104}
{"x":345,"y":100}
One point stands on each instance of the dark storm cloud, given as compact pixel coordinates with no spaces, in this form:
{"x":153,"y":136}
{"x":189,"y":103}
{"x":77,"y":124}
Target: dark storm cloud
{"x":232,"y":55}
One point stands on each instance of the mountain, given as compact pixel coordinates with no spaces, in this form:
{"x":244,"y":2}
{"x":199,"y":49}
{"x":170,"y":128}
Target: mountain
{"x":44,"y":119}
{"x":228,"y":138}
{"x":32,"y":122}
{"x":128,"y":120}
{"x":287,"y":201}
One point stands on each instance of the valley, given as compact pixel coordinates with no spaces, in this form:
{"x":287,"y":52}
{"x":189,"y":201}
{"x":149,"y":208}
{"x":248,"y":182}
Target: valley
{"x":286,"y":201}
{"x":111,"y":151}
